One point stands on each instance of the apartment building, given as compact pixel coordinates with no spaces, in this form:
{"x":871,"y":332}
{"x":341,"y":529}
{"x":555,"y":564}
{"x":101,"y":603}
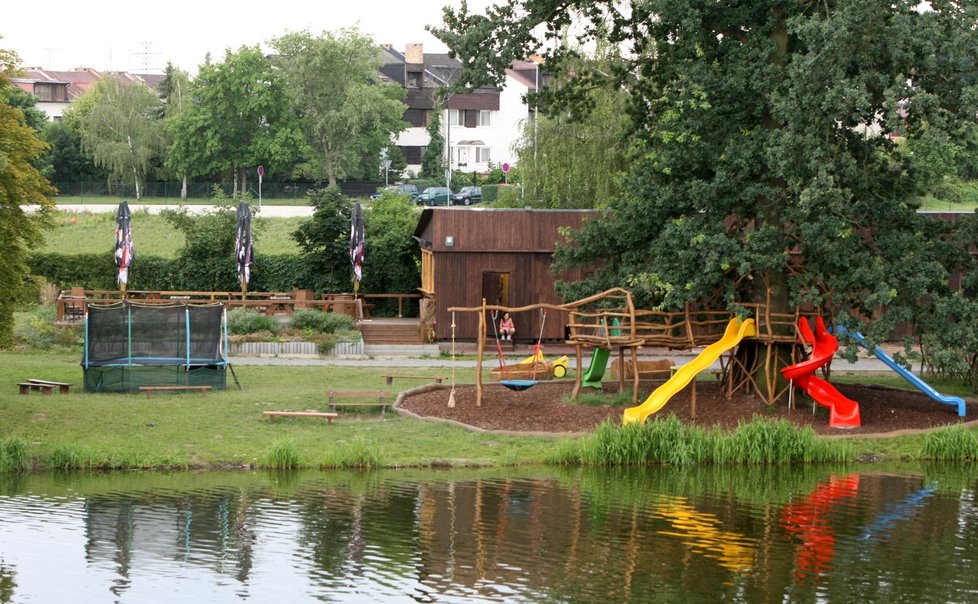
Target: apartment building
{"x":480,"y":128}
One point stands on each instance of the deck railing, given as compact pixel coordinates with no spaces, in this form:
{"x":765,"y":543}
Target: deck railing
{"x":71,"y":304}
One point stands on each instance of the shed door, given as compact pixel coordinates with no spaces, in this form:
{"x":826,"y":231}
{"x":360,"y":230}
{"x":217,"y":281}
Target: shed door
{"x":495,"y":288}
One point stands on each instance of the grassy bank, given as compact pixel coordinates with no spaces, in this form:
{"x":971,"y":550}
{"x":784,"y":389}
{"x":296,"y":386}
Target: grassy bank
{"x":227,"y":428}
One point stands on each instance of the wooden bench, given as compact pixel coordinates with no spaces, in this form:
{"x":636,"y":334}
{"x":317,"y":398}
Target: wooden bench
{"x":26,"y":387}
{"x":390,"y":378}
{"x":151,"y":389}
{"x":349,"y":398}
{"x":63,"y":387}
{"x":325,"y":415}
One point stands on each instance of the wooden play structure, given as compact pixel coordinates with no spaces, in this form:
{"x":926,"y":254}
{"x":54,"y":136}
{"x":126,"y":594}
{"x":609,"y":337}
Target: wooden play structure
{"x":609,"y":320}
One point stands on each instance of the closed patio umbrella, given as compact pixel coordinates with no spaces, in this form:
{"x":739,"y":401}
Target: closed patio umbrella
{"x":356,"y":246}
{"x":242,"y":244}
{"x":124,"y":253}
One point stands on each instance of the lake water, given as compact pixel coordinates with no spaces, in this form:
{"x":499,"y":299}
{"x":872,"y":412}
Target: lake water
{"x":659,"y":535}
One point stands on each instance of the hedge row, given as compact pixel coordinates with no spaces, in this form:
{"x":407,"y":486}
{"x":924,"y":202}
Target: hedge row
{"x":98,"y":271}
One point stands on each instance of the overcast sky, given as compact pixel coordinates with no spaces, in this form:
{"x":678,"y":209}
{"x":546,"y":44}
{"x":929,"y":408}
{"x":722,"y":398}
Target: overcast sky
{"x":137,"y":36}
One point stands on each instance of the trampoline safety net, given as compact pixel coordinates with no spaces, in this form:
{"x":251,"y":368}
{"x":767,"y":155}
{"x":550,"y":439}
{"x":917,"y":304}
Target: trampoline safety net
{"x":128,"y":345}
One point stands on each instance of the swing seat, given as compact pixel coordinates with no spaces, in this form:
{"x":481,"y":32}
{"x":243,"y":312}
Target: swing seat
{"x":518,"y":384}
{"x":534,"y":372}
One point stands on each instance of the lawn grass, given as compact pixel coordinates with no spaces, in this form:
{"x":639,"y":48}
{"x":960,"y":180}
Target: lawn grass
{"x":94,"y":232}
{"x":226,"y":428}
{"x":82,"y":430}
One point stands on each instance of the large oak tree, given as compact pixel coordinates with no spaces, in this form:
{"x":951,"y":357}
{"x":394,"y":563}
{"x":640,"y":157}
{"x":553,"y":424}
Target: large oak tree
{"x":777,"y":146}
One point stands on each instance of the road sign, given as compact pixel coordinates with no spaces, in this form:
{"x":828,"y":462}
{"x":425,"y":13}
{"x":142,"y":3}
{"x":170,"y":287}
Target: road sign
{"x":506,"y":167}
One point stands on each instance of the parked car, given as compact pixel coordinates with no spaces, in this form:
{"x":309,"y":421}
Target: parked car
{"x":410,"y":190}
{"x":467,"y":196}
{"x":435,"y":196}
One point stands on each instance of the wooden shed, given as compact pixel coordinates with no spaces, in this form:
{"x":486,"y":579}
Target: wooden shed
{"x":500,"y":255}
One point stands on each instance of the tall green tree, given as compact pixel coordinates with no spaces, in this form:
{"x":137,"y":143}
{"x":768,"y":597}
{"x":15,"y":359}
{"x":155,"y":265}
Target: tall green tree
{"x":325,"y":241}
{"x":238,"y":119}
{"x":392,"y":261}
{"x":347,"y":114}
{"x":65,"y":161}
{"x":761,"y":168}
{"x":433,"y":161}
{"x":577,"y":161}
{"x":764,"y":161}
{"x":20,"y":184}
{"x":122,"y":131}
{"x":174,"y":91}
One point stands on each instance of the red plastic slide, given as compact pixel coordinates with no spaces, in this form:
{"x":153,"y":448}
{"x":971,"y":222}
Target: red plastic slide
{"x":843,"y":412}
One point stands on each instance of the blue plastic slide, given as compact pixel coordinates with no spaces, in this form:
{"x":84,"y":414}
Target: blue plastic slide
{"x":913,"y":379}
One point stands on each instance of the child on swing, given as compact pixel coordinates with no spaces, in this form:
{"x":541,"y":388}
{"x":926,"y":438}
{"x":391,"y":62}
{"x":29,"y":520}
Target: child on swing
{"x":506,"y":327}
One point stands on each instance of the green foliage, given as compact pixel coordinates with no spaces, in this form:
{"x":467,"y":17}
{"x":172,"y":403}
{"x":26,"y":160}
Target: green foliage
{"x":392,"y":260}
{"x":243,"y":320}
{"x":325,"y":242}
{"x":316,"y":321}
{"x":121,"y":130}
{"x":669,"y":441}
{"x":577,"y":163}
{"x":282,"y":455}
{"x":756,"y":131}
{"x":20,"y":183}
{"x":64,"y":161}
{"x":953,"y":443}
{"x":504,"y":196}
{"x":433,"y":160}
{"x":36,"y":329}
{"x":206,"y":262}
{"x":347,"y":114}
{"x":239,"y":119}
{"x":359,"y":455}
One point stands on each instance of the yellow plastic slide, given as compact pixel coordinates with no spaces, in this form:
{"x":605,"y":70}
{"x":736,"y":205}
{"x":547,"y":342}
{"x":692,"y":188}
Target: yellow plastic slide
{"x":736,"y":331}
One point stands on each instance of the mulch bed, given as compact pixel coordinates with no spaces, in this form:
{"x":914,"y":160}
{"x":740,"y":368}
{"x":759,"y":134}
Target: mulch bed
{"x":546,"y":408}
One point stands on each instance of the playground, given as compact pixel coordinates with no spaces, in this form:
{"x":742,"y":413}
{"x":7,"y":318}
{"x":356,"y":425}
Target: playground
{"x":547,"y":408}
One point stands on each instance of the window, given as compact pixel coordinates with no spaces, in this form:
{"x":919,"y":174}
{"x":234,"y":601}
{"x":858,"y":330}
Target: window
{"x":50,"y":92}
{"x":415,"y":79}
{"x":455,"y":117}
{"x":485,"y":118}
{"x":482,"y":155}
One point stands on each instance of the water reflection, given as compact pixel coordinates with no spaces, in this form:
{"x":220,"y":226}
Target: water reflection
{"x":783,"y":534}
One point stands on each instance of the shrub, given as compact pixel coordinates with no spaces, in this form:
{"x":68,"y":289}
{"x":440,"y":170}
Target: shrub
{"x":243,"y":321}
{"x":315,"y":321}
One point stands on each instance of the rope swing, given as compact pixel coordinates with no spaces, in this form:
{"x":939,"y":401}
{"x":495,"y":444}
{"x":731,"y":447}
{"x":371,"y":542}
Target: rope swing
{"x":518,"y":385}
{"x":451,"y":395}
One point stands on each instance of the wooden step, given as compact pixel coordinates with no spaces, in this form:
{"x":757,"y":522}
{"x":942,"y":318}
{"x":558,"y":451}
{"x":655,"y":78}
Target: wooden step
{"x":390,"y":333}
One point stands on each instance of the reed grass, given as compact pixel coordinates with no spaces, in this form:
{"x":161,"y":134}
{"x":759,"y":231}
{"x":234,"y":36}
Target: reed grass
{"x":282,"y":455}
{"x":953,"y":443}
{"x":358,"y":455}
{"x":667,"y":440}
{"x":14,"y":455}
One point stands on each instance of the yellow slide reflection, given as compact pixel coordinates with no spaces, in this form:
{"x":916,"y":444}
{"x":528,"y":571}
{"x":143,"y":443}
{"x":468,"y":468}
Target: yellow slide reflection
{"x":700,"y":532}
{"x":736,"y":331}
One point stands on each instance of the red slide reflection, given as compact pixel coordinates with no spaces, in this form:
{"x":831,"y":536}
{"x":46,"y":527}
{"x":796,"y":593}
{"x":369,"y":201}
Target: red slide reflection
{"x":810,"y":521}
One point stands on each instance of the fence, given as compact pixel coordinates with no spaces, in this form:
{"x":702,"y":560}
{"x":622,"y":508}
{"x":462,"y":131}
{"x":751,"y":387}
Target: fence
{"x":291,"y":192}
